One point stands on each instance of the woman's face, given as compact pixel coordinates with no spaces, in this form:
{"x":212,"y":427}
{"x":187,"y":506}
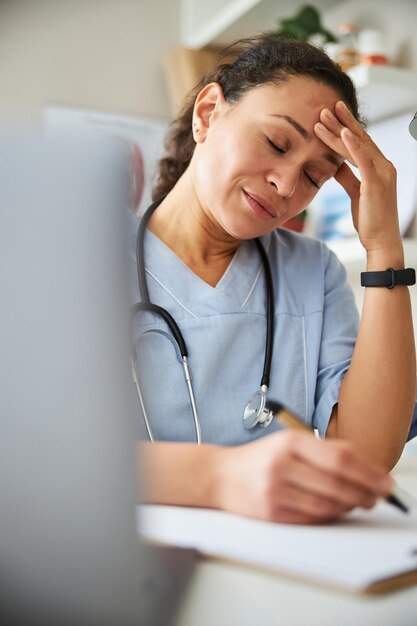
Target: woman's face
{"x":258,"y":162}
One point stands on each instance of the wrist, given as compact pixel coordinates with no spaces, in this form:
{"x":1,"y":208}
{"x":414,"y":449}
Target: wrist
{"x":183,"y":474}
{"x":220,"y":471}
{"x":378,"y":260}
{"x":207,"y":473}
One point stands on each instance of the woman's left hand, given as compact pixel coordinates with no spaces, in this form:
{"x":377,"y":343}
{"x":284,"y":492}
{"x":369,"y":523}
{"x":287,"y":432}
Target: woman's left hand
{"x":374,"y":198}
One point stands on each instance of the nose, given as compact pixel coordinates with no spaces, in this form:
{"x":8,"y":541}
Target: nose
{"x":284,"y":181}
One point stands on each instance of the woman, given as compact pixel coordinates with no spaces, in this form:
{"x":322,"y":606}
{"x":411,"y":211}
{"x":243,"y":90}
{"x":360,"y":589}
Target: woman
{"x":250,"y":149}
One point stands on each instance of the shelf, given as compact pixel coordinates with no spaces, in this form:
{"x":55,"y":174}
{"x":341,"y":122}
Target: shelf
{"x":384,"y":91}
{"x":220,"y":22}
{"x":202,"y":22}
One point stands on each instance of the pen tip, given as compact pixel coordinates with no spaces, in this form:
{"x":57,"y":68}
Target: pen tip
{"x":392,"y":499}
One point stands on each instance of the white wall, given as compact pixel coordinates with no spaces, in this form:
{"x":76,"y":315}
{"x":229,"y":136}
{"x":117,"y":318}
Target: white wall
{"x":103,"y":54}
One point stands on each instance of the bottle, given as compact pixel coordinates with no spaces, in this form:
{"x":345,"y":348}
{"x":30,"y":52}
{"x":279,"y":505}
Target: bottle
{"x":372,"y":46}
{"x":348,"y":53}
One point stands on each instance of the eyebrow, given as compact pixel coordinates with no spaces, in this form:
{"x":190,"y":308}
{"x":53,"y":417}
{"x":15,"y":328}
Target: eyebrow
{"x":306,"y":135}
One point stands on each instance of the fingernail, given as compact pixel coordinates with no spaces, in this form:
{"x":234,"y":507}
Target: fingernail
{"x":343,"y":106}
{"x":349,"y":134}
{"x":328,"y":114}
{"x":320,"y":126}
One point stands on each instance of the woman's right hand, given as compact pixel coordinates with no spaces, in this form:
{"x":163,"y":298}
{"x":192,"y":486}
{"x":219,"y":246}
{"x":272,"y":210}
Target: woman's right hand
{"x":292,"y":477}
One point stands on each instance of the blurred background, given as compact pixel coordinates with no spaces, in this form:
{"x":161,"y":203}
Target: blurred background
{"x":109,"y":54}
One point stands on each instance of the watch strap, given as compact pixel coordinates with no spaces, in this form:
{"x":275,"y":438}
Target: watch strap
{"x":389,"y":278}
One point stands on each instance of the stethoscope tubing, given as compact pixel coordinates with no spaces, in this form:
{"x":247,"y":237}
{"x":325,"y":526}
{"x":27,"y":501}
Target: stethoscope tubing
{"x":147,"y":305}
{"x":269,"y":315}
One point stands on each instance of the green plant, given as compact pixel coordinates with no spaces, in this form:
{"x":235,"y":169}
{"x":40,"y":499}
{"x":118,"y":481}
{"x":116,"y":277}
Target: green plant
{"x":304,"y":25}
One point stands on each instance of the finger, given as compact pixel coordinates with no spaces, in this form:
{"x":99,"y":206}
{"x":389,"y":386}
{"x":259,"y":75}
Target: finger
{"x":352,"y":185}
{"x":347,"y":119}
{"x":340,"y":459}
{"x":311,"y":505}
{"x":341,"y":119}
{"x":347,"y":179}
{"x":328,"y":486}
{"x":289,"y":516}
{"x":359,"y":149}
{"x":331,"y":122}
{"x":334,"y":130}
{"x":333,"y":141}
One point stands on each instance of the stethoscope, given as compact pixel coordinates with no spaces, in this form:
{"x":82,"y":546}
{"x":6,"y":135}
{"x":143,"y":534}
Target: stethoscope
{"x":256,"y":411}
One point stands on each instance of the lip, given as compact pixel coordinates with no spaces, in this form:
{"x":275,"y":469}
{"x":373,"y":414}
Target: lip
{"x":260,"y":206}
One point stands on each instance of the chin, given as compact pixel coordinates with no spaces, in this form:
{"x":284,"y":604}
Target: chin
{"x":241,"y":225}
{"x":245,"y":231}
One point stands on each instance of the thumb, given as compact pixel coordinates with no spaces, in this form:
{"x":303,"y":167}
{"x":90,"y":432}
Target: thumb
{"x":352,"y":185}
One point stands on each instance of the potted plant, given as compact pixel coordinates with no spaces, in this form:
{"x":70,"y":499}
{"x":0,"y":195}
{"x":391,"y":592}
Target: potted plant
{"x":305,"y":26}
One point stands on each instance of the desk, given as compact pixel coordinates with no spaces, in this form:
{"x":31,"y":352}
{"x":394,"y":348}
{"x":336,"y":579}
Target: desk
{"x":223,"y":594}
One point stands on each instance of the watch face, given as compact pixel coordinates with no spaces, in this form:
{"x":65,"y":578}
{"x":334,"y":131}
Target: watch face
{"x":413,"y":127}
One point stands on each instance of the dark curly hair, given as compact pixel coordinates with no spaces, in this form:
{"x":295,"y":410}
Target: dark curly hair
{"x":264,"y":59}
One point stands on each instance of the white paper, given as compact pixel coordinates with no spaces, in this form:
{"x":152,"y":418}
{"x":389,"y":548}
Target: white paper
{"x":360,"y":549}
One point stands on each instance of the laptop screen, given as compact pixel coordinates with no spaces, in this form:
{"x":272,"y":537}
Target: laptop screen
{"x":69,"y":551}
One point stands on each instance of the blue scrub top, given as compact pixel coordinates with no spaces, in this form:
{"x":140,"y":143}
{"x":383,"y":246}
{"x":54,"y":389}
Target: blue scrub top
{"x":315,"y":329}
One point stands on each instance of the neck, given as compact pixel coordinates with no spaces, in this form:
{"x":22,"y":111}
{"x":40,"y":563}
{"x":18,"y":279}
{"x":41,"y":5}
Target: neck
{"x":190,"y":230}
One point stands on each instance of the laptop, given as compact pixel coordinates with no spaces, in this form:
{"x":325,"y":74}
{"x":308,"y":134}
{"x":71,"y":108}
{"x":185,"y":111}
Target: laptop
{"x":69,"y":550}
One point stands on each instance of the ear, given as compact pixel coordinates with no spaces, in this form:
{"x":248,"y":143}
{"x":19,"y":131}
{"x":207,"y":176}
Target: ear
{"x":208,"y":103}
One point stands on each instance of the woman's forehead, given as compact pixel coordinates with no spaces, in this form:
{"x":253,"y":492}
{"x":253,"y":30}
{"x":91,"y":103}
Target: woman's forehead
{"x":297,"y":93}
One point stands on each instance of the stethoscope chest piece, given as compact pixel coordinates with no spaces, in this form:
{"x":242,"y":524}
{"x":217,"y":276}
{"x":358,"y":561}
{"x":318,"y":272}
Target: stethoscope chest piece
{"x":256,"y":411}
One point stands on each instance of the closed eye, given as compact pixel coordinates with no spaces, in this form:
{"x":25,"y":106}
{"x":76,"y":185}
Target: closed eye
{"x":282,"y":151}
{"x":275,"y":147}
{"x":311,"y":181}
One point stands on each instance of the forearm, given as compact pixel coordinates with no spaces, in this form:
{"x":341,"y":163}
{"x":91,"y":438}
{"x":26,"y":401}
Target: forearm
{"x":378,"y":393}
{"x":180,"y":473}
{"x":288,"y":477}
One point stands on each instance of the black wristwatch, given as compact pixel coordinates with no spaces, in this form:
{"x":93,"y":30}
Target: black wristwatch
{"x":390,"y":278}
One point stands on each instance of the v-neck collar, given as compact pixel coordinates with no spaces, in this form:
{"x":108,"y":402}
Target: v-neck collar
{"x":232,"y":292}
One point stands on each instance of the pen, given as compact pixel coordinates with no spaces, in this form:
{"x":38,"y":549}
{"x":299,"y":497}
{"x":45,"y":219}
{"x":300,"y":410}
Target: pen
{"x":289,"y":420}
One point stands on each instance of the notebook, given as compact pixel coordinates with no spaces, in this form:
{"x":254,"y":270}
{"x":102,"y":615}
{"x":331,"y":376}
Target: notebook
{"x":69,"y":551}
{"x":363,"y":552}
